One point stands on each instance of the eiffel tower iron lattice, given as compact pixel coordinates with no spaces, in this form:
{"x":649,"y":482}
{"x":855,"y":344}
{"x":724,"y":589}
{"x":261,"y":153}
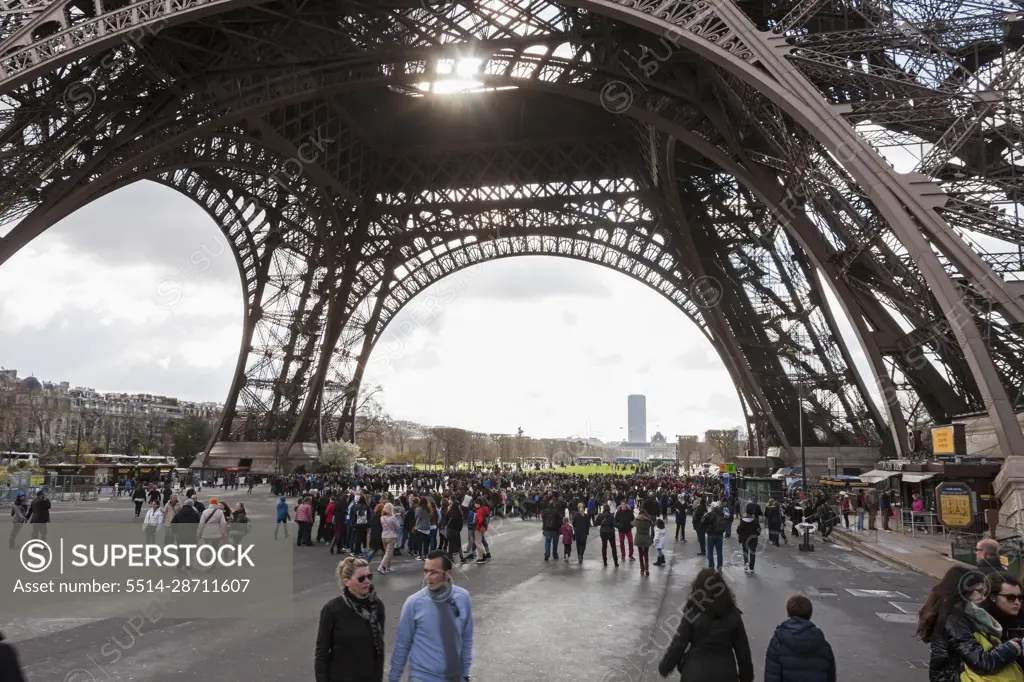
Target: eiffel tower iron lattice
{"x":739,"y":158}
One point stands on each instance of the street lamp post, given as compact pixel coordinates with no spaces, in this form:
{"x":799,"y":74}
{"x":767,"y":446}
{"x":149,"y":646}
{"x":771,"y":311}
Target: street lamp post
{"x":805,"y":545}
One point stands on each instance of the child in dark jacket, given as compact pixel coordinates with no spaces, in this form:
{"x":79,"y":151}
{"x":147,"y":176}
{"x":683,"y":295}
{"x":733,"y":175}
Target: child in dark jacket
{"x":799,"y":651}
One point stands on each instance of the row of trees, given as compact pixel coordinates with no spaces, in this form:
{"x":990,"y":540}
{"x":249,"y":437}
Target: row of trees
{"x":399,"y":442}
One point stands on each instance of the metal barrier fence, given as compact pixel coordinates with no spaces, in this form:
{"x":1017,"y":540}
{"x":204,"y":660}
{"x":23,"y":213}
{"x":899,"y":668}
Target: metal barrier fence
{"x":927,"y":523}
{"x":65,"y":489}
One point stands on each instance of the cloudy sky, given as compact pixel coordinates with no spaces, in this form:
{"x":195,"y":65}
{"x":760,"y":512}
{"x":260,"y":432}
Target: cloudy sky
{"x":115,"y":297}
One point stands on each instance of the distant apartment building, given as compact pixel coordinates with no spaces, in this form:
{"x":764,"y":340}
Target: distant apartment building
{"x":39,"y":416}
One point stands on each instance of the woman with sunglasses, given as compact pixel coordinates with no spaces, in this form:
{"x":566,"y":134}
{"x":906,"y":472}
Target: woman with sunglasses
{"x":350,"y":640}
{"x":1004,"y":602}
{"x":964,"y":638}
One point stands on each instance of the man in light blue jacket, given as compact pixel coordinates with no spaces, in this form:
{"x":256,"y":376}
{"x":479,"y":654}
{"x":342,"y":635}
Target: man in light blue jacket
{"x":435,"y":630}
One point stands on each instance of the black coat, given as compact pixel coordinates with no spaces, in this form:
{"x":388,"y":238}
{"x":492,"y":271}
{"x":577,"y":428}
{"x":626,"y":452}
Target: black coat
{"x":580,"y":525}
{"x":955,"y":645}
{"x":40,"y":509}
{"x":624,"y":520}
{"x":375,"y":533}
{"x":10,"y":666}
{"x":987,"y":566}
{"x":185,"y":524}
{"x":652,"y":507}
{"x":344,"y":645}
{"x":747,"y":529}
{"x":606,"y":522}
{"x":699,"y":512}
{"x":799,"y":652}
{"x":453,"y":519}
{"x":773,"y":518}
{"x":713,"y":648}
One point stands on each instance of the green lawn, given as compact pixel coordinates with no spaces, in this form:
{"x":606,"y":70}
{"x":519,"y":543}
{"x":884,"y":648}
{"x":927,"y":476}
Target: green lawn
{"x":589,"y":469}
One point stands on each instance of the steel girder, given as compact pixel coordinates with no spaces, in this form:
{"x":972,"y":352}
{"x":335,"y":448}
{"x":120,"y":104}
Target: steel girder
{"x":870,"y":225}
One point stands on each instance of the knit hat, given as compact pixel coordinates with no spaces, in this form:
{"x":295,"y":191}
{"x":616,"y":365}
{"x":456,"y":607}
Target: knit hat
{"x":213,"y":500}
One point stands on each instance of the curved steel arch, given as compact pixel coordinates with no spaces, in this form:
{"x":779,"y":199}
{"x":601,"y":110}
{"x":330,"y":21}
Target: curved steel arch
{"x":426,"y":273}
{"x":733,"y":30}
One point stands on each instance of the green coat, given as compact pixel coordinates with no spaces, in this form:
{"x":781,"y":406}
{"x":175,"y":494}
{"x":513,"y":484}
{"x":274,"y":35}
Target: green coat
{"x":644,"y":534}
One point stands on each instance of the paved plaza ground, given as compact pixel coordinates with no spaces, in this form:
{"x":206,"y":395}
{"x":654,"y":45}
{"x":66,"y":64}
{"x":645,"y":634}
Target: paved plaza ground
{"x":534,"y":620}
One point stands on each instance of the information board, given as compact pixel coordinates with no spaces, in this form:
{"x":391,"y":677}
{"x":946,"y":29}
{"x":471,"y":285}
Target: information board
{"x":727,"y":469}
{"x":955,"y":505}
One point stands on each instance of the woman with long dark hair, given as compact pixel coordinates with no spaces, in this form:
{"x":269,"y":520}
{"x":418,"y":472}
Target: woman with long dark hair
{"x":350,"y":640}
{"x":711,"y":644}
{"x":962,"y":635}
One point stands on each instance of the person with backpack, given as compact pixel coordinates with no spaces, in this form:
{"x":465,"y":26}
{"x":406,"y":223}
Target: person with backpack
{"x":699,"y":512}
{"x":20,"y":513}
{"x":360,"y":515}
{"x":551,"y":525}
{"x":481,"y":514}
{"x":679,"y":507}
{"x":606,"y":522}
{"x":714,"y":524}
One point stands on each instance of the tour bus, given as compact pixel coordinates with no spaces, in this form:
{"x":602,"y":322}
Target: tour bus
{"x":589,"y":460}
{"x":8,"y":458}
{"x":627,"y":460}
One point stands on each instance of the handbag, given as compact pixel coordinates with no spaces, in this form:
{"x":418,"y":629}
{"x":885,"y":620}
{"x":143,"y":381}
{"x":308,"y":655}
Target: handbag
{"x":1010,"y":673}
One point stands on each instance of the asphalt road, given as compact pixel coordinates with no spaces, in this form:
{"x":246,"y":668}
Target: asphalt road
{"x":534,"y":619}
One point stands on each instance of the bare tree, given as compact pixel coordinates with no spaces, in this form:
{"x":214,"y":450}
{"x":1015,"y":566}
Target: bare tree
{"x":12,"y":422}
{"x":370,"y":416}
{"x":90,"y":420}
{"x":129,"y":432}
{"x":397,"y":432}
{"x":477,"y":448}
{"x":109,"y":433}
{"x":453,"y":442}
{"x":724,"y":442}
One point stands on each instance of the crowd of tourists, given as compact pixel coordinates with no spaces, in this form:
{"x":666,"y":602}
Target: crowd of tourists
{"x":385,"y":515}
{"x":439,"y":519}
{"x":425,"y":515}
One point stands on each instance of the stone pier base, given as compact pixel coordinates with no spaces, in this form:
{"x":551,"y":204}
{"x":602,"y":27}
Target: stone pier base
{"x":260,"y":458}
{"x":1009,"y":488}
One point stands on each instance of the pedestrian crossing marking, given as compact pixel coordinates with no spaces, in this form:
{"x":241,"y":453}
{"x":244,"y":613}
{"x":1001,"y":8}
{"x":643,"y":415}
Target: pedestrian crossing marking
{"x":898,"y":617}
{"x":906,"y":607}
{"x":885,"y":594}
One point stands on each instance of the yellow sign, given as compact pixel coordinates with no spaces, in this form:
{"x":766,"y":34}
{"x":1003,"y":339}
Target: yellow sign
{"x":36,"y":480}
{"x":955,"y":510}
{"x":942,"y":441}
